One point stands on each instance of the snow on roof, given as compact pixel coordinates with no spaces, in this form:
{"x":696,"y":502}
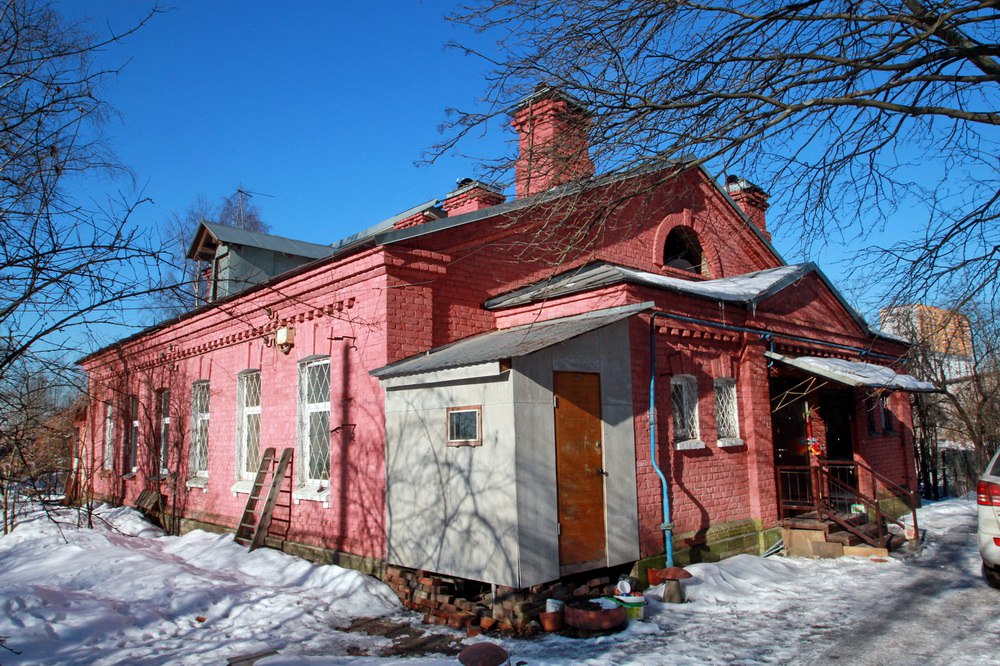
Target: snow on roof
{"x":747,"y":288}
{"x":509,"y":342}
{"x":855,"y":373}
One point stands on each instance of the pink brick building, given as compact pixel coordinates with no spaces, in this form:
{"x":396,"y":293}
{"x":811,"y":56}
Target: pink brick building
{"x":466,"y":387}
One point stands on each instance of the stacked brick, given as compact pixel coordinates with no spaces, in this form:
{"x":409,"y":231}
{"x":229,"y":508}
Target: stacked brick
{"x":436,"y":596}
{"x":507,"y":610}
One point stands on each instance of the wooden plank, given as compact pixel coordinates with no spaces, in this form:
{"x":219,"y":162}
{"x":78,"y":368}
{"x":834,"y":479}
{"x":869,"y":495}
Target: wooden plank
{"x":277,"y":479}
{"x":248,"y":521}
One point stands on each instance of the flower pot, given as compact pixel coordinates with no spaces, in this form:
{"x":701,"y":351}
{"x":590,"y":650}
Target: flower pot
{"x":592,"y":617}
{"x":551,"y":621}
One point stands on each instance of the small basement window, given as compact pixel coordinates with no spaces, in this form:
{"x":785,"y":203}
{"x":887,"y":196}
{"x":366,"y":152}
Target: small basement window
{"x":464,"y":426}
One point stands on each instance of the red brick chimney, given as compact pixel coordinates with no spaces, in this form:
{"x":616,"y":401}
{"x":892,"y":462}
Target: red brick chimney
{"x":552,"y":142}
{"x":751,"y":199}
{"x":471,"y":195}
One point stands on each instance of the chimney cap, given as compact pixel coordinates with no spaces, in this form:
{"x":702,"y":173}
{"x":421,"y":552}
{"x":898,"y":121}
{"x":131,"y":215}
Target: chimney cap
{"x":736,"y":184}
{"x":466,"y":184}
{"x":547,"y":91}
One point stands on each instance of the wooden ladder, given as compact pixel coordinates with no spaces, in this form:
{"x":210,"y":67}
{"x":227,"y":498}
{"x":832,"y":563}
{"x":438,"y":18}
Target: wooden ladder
{"x":252,"y":530}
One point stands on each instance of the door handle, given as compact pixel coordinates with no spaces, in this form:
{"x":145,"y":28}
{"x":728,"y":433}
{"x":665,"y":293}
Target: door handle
{"x":601,"y":472}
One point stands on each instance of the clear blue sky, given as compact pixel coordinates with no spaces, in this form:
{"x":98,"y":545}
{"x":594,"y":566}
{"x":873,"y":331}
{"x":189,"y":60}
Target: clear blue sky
{"x":325,"y":107}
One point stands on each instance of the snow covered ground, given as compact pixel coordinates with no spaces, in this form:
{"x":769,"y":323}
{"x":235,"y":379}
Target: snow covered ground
{"x":123,"y":593}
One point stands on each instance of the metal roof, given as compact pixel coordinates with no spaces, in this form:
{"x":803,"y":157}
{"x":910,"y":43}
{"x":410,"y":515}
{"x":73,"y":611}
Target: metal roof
{"x":508,"y":342}
{"x":855,"y":373}
{"x":747,"y":288}
{"x":233,"y":236}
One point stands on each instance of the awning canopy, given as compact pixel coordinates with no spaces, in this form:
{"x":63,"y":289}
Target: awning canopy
{"x":855,"y":373}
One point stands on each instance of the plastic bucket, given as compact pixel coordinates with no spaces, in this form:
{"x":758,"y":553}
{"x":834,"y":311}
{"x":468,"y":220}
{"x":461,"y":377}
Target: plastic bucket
{"x":553,"y":605}
{"x":634,"y":606}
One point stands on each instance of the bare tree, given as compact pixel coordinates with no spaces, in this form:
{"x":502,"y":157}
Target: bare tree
{"x":846,"y":112}
{"x":182,"y":281}
{"x":37,"y":408}
{"x":959,"y":352}
{"x":63,"y":265}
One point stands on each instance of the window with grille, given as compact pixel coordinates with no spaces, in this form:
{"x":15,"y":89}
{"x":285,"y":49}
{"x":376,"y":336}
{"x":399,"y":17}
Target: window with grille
{"x":130,"y":434}
{"x":464,"y":426}
{"x":314,"y":421}
{"x":199,"y":429}
{"x":727,"y":421}
{"x":871,"y":412}
{"x":247,"y":425}
{"x":163,"y":401}
{"x":684,"y":405}
{"x":109,"y":435}
{"x":888,"y":425}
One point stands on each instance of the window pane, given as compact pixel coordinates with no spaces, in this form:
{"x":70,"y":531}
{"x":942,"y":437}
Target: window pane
{"x":251,"y":389}
{"x":463,"y":426}
{"x":252,"y":443}
{"x":318,"y":382}
{"x":319,"y":445}
{"x":677,"y":409}
{"x":727,"y":421}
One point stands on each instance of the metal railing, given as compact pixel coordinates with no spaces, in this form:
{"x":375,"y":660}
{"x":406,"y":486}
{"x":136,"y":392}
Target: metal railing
{"x":832,"y":491}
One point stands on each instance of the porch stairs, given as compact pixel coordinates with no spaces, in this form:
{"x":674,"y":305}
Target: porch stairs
{"x":274,"y":474}
{"x":835,"y":508}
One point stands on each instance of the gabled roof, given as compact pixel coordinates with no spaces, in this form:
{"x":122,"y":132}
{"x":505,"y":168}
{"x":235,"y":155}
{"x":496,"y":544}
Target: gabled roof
{"x":508,"y":342}
{"x":390,"y":235}
{"x":747,"y":289}
{"x":232,"y":236}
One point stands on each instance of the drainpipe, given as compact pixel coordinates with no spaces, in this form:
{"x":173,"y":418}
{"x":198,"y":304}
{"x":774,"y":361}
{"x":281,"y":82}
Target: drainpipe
{"x":667,"y":526}
{"x":768,"y":337}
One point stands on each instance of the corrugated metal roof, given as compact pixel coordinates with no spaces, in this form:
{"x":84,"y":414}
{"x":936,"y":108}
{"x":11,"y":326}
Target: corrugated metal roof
{"x":747,"y":288}
{"x":855,"y":373}
{"x":508,"y":342}
{"x":232,"y":235}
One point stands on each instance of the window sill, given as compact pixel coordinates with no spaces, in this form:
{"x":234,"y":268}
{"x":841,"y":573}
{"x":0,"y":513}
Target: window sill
{"x":313,"y":493}
{"x":198,"y":482}
{"x":729,"y":442}
{"x":129,"y":476}
{"x":689,"y":445}
{"x":243,"y":487}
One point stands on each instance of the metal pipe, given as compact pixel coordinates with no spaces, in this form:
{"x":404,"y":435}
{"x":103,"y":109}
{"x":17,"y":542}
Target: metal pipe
{"x":667,"y":526}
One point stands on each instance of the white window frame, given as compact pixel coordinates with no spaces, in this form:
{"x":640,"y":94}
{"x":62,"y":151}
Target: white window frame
{"x":244,"y":478}
{"x":687,"y":434}
{"x":727,"y":412}
{"x":478,"y":439}
{"x":109,"y":436}
{"x":163,"y":405}
{"x":130,"y":438}
{"x":308,"y":487}
{"x":200,"y":422}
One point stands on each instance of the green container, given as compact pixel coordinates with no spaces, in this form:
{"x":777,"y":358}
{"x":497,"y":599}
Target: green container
{"x":634,"y":606}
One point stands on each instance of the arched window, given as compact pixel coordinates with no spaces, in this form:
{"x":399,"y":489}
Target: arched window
{"x":683,"y":251}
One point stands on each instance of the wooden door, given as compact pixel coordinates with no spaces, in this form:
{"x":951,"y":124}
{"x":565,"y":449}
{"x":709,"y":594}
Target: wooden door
{"x":579,"y":469}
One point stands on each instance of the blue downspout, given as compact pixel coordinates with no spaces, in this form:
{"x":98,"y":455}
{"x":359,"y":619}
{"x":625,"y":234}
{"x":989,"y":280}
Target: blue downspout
{"x":667,"y":526}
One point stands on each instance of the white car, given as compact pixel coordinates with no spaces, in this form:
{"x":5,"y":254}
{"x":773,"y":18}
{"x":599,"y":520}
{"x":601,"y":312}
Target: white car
{"x":988,"y":499}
